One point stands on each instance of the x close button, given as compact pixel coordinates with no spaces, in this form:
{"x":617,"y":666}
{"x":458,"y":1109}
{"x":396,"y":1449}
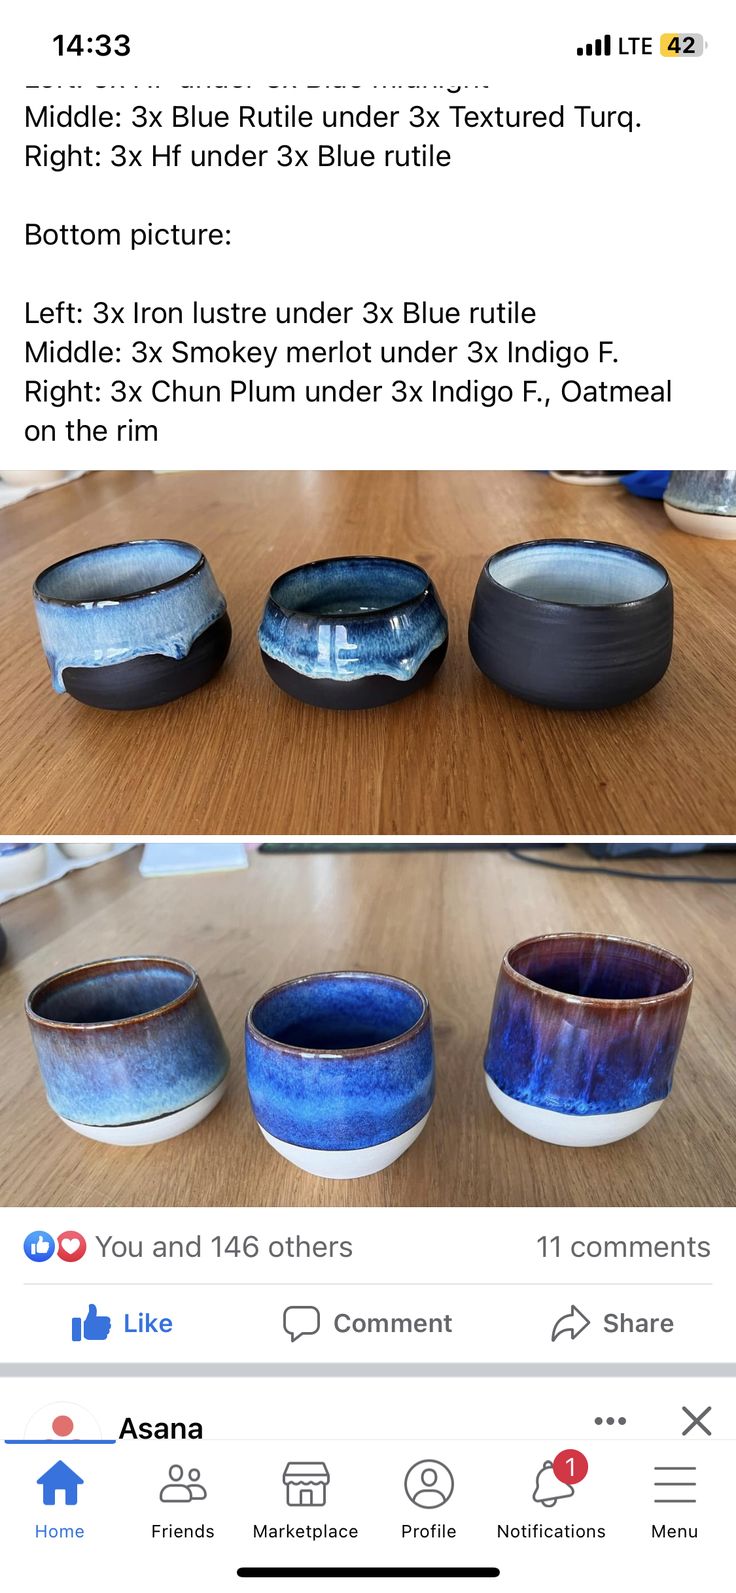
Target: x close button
{"x":697,"y":1421}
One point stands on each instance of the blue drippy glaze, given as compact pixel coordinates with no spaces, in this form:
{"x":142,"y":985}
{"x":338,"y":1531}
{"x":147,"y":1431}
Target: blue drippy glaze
{"x":590,"y":1044}
{"x":347,"y":619}
{"x":703,"y":491}
{"x":98,"y":608}
{"x":313,"y":1078}
{"x":110,"y":1056}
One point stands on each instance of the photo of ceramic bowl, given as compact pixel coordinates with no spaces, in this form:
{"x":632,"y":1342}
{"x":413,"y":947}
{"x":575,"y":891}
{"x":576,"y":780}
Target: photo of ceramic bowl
{"x":584,"y":1036}
{"x":572,"y":624}
{"x":353,"y":632}
{"x":132,"y":625}
{"x":129,"y":1049}
{"x":702,"y":502}
{"x":341,"y":1070}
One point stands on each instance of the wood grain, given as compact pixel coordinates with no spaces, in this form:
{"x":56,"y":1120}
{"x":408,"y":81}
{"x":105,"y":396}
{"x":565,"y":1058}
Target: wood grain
{"x":440,"y":918}
{"x":459,"y":758}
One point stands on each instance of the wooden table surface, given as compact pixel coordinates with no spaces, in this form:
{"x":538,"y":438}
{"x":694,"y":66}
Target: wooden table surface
{"x":239,"y":757}
{"x":440,"y":918}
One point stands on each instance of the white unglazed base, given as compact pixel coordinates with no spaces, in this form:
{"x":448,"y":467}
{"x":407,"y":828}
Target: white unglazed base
{"x":562,"y":1128}
{"x":347,"y":1163}
{"x":720,"y":526}
{"x":584,"y":481}
{"x":156,"y":1128}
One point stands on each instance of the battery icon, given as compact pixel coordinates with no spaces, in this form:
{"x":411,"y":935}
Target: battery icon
{"x":676,"y":45}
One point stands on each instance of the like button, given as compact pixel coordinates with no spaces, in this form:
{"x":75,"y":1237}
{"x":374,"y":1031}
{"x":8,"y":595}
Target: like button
{"x":94,"y":1327}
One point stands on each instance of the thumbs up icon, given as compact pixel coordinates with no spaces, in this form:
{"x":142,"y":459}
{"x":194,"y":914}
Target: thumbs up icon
{"x":94,"y":1326}
{"x":39,"y":1245}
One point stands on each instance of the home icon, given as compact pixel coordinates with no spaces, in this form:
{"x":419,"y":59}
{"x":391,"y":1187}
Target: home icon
{"x":60,"y":1479}
{"x":306,"y":1482}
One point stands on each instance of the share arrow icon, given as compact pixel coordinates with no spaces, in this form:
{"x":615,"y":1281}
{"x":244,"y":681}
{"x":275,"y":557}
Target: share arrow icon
{"x":574,"y":1323}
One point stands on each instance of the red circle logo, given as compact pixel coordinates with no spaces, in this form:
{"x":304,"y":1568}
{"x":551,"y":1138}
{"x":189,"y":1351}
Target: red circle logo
{"x":570,"y":1466}
{"x":70,"y":1246}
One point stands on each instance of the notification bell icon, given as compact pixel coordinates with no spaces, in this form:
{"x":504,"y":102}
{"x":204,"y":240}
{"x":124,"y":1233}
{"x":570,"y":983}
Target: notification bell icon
{"x":549,"y":1488}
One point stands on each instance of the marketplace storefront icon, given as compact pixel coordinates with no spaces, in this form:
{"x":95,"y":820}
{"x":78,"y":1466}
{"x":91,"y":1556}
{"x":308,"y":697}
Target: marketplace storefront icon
{"x":306,"y":1483}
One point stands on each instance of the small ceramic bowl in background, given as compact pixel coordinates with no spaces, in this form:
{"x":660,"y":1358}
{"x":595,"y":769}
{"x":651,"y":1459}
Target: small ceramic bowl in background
{"x":589,"y":478}
{"x":132,"y":625}
{"x":129,"y":1049}
{"x":702,"y":502}
{"x":32,"y":478}
{"x":341,"y":1070}
{"x":21,"y":863}
{"x":572,"y":624}
{"x":81,"y":850}
{"x":353,"y":632}
{"x":584,"y":1036}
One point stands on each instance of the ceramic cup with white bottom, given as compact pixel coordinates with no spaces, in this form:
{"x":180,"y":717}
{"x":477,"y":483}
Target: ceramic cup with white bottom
{"x":129,"y":1049}
{"x":702,"y":502}
{"x":341,"y":1070}
{"x":584,"y":1036}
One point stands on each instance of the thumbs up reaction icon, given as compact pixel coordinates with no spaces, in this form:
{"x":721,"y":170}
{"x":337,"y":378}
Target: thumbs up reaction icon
{"x":94,"y":1326}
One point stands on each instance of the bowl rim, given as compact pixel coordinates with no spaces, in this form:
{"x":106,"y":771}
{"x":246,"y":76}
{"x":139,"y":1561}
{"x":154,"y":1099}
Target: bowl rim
{"x":125,"y":597}
{"x":122,"y":964}
{"x":579,"y":542}
{"x":352,"y":558}
{"x":346,"y":1053}
{"x":613,"y":1002}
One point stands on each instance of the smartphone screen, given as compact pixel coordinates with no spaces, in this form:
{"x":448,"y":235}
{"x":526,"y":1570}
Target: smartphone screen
{"x":368,"y":855}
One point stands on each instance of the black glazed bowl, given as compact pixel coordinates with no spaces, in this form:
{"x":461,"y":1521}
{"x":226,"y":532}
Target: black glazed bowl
{"x":132,"y":625}
{"x":572,"y":624}
{"x":353,"y":632}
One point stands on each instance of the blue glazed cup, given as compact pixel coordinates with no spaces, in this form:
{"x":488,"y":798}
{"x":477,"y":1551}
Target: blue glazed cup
{"x":129,"y":1049}
{"x":584,"y":1035}
{"x":341,"y":1070}
{"x":353,"y":632}
{"x":132,"y":625}
{"x":702,"y":502}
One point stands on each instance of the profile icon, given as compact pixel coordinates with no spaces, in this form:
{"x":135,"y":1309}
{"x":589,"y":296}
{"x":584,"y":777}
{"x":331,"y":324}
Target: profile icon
{"x":429,"y":1484}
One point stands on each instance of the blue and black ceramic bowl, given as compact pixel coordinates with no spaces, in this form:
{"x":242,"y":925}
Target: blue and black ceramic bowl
{"x":584,"y":1035}
{"x":129,"y":1049}
{"x":702,"y":502}
{"x":132,"y":625}
{"x":353,"y":632}
{"x":572,"y":624}
{"x":341,"y":1070}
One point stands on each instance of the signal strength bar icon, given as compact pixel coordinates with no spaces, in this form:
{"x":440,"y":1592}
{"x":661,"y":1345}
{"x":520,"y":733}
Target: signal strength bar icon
{"x":598,"y":46}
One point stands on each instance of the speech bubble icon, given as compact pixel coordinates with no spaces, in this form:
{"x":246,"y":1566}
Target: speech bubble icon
{"x":300,"y":1321}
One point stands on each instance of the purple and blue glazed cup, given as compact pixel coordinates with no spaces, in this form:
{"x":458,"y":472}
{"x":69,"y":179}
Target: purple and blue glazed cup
{"x":341,"y":1070}
{"x":129,"y":1049}
{"x":584,"y":1036}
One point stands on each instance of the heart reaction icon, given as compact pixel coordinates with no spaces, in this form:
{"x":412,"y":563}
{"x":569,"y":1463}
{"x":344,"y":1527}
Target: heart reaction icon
{"x":71,"y":1246}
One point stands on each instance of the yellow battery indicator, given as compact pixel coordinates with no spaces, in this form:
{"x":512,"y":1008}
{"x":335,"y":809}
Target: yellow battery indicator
{"x":675,"y":45}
